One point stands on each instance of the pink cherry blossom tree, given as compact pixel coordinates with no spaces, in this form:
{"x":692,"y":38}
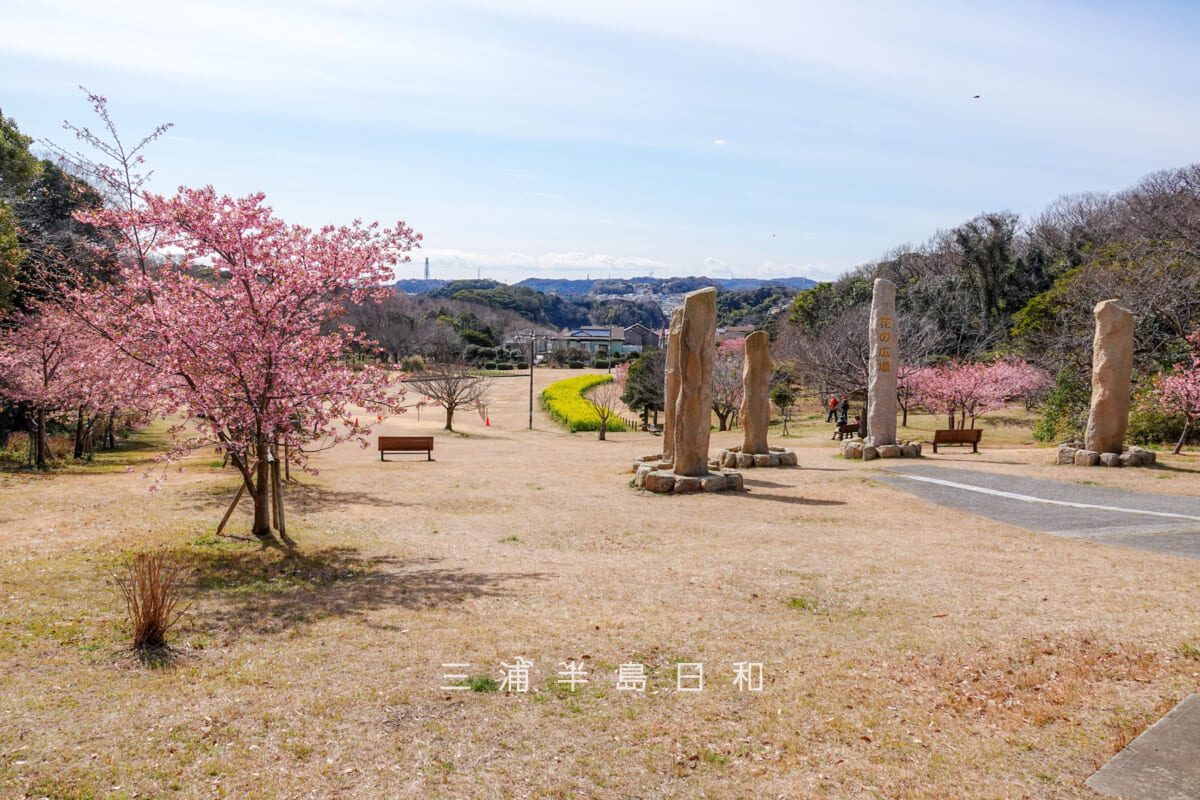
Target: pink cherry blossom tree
{"x":239,"y":325}
{"x":235,"y":314}
{"x":1179,"y":392}
{"x":967,"y":390}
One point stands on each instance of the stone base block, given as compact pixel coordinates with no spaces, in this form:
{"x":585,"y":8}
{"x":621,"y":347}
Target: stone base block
{"x":857,"y":448}
{"x":1075,"y":453}
{"x":663,"y":481}
{"x":735,"y":458}
{"x":656,"y":461}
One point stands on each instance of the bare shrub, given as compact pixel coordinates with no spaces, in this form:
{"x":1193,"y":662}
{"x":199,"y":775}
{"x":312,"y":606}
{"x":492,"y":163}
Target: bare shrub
{"x":151,"y":587}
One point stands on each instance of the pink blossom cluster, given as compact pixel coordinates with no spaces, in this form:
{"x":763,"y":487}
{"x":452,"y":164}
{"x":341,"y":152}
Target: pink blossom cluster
{"x":969,"y":389}
{"x":620,"y":374}
{"x":60,"y":367}
{"x":1179,"y":391}
{"x":238,"y":327}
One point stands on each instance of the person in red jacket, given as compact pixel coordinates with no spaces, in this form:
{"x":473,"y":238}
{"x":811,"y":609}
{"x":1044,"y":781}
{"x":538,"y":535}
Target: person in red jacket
{"x":833,"y":406}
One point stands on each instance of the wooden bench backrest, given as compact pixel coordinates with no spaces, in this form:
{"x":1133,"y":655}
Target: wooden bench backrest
{"x":959,"y":436}
{"x":405,"y":442}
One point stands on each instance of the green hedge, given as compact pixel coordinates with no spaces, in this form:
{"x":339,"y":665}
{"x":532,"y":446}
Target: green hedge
{"x":565,"y":402}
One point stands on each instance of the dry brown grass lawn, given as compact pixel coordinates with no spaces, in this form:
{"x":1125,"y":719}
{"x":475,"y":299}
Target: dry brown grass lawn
{"x":908,"y":650}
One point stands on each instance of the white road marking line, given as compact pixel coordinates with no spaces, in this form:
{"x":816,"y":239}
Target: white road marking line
{"x":1031,"y":499}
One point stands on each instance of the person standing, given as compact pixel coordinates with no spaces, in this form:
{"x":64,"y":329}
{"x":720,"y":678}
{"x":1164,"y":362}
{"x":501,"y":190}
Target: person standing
{"x":843,"y":410}
{"x":833,"y":406}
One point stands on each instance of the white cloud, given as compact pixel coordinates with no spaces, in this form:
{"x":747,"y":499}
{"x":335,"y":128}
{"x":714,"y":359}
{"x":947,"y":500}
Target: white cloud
{"x":720,"y":142}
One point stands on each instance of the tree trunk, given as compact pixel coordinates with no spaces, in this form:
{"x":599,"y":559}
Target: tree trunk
{"x":951,"y":423}
{"x":89,"y":438}
{"x":79,"y":434}
{"x":1187,"y":426}
{"x":277,"y":496}
{"x":42,"y":448}
{"x":260,"y":492}
{"x":110,"y":434}
{"x":603,"y":428}
{"x":449,"y":418}
{"x":904,"y":416}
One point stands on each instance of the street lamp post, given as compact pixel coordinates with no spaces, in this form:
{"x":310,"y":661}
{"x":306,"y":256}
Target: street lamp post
{"x":531,"y":380}
{"x":533,"y":337}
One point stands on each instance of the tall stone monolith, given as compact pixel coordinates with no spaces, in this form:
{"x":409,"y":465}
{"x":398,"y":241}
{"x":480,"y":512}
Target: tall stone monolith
{"x":755,"y":414}
{"x":1112,"y":365}
{"x":671,"y":389}
{"x":881,"y":383}
{"x":693,"y":406}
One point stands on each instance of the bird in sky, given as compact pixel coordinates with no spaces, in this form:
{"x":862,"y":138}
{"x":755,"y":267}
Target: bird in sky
{"x":975,"y":97}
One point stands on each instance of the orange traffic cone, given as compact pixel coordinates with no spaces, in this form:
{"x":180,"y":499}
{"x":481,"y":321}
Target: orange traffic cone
{"x":356,"y":422}
{"x":487,"y":421}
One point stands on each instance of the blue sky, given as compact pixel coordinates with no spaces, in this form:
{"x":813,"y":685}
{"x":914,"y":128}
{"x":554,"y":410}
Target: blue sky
{"x":762,"y":138}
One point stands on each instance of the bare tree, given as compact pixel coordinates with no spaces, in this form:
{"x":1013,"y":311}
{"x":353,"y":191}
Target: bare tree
{"x":834,"y":359}
{"x":604,"y":400}
{"x":1165,"y":207}
{"x":451,"y":386}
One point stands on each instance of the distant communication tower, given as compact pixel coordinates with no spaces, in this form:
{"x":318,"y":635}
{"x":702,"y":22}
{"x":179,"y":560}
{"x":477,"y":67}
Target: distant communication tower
{"x":426,"y":268}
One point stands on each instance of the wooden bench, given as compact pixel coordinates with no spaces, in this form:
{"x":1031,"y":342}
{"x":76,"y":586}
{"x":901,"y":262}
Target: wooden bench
{"x":849,"y":429}
{"x":961,"y":436}
{"x":406,"y":444}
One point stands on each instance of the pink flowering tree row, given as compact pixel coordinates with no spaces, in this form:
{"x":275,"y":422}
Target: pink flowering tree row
{"x":1178,"y":392}
{"x":64,"y":373}
{"x":965,"y":391}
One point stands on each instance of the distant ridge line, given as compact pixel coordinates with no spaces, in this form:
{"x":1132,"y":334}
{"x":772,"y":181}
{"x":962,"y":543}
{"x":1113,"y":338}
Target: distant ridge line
{"x":570,"y":286}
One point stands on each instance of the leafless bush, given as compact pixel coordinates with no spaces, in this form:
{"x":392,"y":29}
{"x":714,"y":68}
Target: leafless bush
{"x":151,"y":587}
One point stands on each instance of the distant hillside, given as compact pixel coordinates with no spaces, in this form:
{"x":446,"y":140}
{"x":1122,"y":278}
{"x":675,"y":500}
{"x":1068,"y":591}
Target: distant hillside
{"x":756,"y":283}
{"x":418,"y":286}
{"x":563,"y":303}
{"x":657,"y":285}
{"x":558,"y":285}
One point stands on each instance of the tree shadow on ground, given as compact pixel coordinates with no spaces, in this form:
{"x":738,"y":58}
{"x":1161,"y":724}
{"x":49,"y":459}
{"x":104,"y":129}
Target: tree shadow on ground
{"x":800,"y":501}
{"x":297,"y":498}
{"x":1158,"y":466}
{"x":266,"y":590}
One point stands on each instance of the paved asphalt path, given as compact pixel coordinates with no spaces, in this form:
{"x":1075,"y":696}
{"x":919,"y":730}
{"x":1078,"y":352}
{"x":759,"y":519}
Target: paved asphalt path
{"x":1160,"y":523}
